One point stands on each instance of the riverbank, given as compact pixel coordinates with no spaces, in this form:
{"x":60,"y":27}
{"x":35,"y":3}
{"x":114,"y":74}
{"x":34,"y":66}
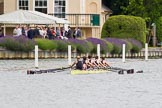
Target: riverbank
{"x":5,"y":54}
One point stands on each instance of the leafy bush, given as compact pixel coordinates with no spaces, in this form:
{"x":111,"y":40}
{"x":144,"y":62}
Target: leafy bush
{"x":17,"y":43}
{"x":136,"y":45}
{"x":118,"y":45}
{"x":82,"y":46}
{"x":62,"y":46}
{"x":121,"y":26}
{"x":46,"y":44}
{"x":128,"y":46}
{"x":103,"y":44}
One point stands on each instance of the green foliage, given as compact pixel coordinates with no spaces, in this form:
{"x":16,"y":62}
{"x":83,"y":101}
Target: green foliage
{"x":116,"y":49}
{"x":61,"y":46}
{"x":136,"y":45}
{"x":17,"y":44}
{"x":150,"y":10}
{"x":129,"y":46}
{"x":86,"y":48}
{"x":122,"y":26}
{"x":135,"y":49}
{"x":159,"y":29}
{"x":110,"y":47}
{"x":46,"y":44}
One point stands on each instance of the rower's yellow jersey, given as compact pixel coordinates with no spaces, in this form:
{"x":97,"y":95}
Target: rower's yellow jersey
{"x":82,"y":72}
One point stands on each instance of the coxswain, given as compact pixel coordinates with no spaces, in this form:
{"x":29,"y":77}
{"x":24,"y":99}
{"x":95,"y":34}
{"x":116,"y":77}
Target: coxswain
{"x":78,"y":63}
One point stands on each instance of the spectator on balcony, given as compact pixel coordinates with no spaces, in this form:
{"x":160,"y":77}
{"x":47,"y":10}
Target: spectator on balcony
{"x":30,"y":33}
{"x":58,"y":33}
{"x":69,"y":32}
{"x":23,"y":30}
{"x":53,"y":32}
{"x":77,"y":33}
{"x":49,"y":33}
{"x":63,"y":33}
{"x":16,"y":31}
{"x":36,"y":32}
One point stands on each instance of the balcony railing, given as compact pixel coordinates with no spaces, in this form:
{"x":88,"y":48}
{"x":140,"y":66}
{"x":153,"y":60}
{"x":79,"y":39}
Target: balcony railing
{"x":80,"y":19}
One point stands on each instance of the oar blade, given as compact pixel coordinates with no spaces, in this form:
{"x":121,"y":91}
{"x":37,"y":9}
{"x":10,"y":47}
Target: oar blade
{"x":121,"y":72}
{"x":47,"y":71}
{"x":130,"y":71}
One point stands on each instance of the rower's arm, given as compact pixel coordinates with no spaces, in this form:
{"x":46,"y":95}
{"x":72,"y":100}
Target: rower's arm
{"x":107,"y":64}
{"x":73,"y":64}
{"x":101,"y":65}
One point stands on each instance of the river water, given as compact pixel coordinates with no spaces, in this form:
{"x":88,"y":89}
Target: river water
{"x":62,"y":90}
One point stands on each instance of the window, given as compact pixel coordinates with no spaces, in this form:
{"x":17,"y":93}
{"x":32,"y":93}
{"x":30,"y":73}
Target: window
{"x":41,"y":6}
{"x":60,"y":8}
{"x":23,"y":4}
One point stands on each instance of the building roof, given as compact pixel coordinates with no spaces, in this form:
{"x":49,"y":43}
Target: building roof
{"x":106,"y":9}
{"x":29,"y":17}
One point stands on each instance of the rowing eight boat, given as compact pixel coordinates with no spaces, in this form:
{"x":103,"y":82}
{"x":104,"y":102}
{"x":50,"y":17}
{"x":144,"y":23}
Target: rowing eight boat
{"x":82,"y":72}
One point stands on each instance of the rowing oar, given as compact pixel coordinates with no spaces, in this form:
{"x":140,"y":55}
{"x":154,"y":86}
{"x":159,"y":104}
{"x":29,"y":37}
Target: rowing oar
{"x":47,"y":70}
{"x":121,"y":70}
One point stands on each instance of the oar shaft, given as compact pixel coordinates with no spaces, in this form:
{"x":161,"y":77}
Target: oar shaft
{"x":46,"y":71}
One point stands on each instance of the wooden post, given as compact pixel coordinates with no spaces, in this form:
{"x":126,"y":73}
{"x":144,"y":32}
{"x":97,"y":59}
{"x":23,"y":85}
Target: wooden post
{"x":4,"y":30}
{"x":98,"y":50}
{"x":69,"y":54}
{"x":36,"y":56}
{"x":146,"y":51}
{"x":123,"y":53}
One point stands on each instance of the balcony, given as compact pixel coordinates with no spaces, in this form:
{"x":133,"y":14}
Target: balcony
{"x":81,"y":20}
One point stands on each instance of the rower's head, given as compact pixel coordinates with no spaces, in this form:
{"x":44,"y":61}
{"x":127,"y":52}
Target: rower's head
{"x":84,"y":58}
{"x":89,"y":57}
{"x":78,"y":57}
{"x":96,"y":57}
{"x":103,"y":58}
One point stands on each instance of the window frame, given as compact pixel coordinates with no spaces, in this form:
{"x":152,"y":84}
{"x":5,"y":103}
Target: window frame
{"x":40,"y":7}
{"x":23,"y":7}
{"x":61,"y":6}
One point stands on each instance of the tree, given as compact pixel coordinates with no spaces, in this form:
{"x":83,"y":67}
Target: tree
{"x":150,"y":10}
{"x":124,"y":26}
{"x":116,"y":5}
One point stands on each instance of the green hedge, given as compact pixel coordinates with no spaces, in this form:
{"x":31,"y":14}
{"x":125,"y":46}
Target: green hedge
{"x":17,"y":43}
{"x":108,"y":45}
{"x":45,"y":44}
{"x":62,"y":45}
{"x":122,"y":26}
{"x":82,"y":46}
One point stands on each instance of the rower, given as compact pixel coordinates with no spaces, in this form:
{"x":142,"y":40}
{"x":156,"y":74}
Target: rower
{"x":104,"y":63}
{"x":85,"y":63}
{"x":78,"y":63}
{"x":98,"y":63}
{"x":90,"y":62}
